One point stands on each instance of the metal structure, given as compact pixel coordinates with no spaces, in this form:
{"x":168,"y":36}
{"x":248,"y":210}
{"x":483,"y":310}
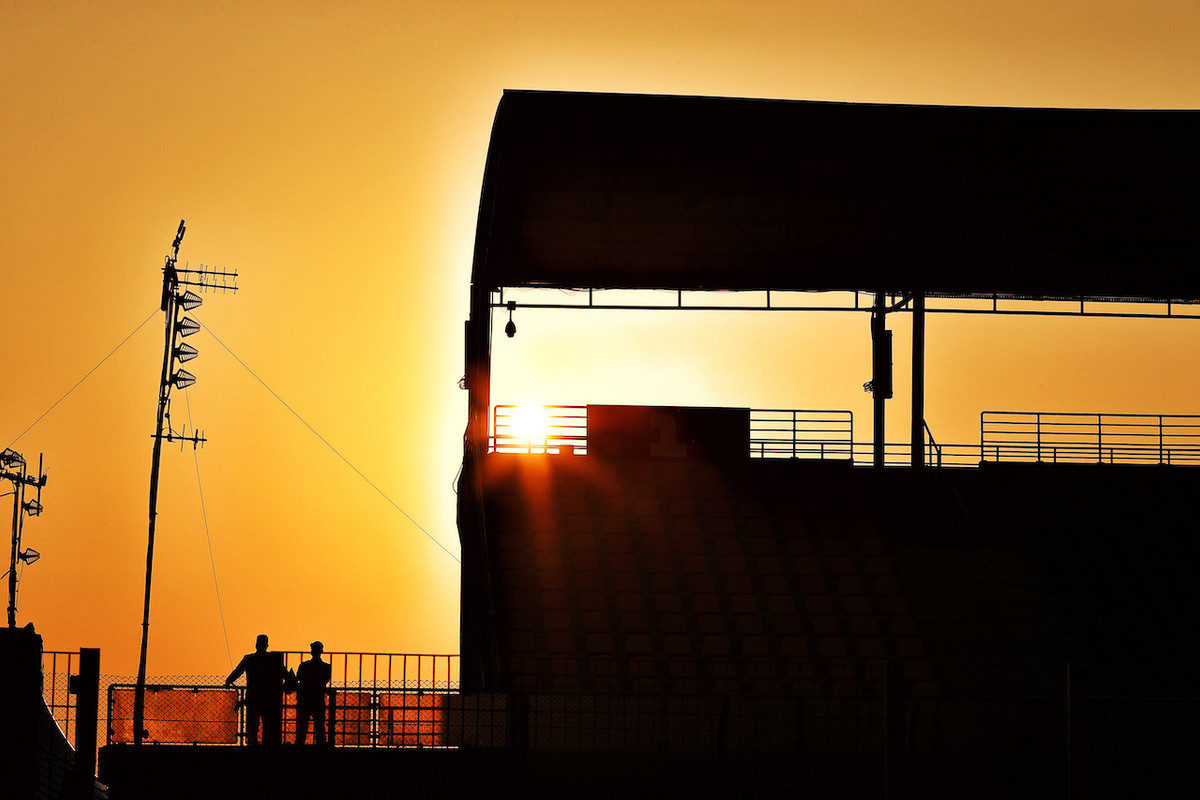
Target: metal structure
{"x":177,"y":297}
{"x":14,"y":469}
{"x":908,"y":209}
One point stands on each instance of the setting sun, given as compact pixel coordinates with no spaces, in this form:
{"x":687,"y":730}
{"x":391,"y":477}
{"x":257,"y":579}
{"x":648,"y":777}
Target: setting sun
{"x":529,"y":425}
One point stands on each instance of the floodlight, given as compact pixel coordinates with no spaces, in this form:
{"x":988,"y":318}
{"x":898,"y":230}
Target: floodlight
{"x":33,"y":508}
{"x":183,"y":379}
{"x":29,"y":555}
{"x":189,"y":300}
{"x":11,"y":457}
{"x":188,"y":326}
{"x":185,"y":353}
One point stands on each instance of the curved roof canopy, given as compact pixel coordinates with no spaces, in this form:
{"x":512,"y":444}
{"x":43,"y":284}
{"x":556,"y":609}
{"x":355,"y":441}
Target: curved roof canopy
{"x":641,"y":191}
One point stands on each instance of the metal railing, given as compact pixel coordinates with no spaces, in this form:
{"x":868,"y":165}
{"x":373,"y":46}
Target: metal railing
{"x":1015,"y":436}
{"x":827,"y":434}
{"x":378,"y":700}
{"x":215,"y":715}
{"x":774,"y":433}
{"x":1149,"y":732}
{"x":539,"y":429}
{"x":933,"y":450}
{"x":899,"y":454}
{"x":57,"y":668}
{"x":785,"y":433}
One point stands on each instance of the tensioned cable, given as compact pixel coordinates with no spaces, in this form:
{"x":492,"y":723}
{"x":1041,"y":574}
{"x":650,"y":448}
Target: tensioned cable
{"x":208,"y":536}
{"x":84,"y":378}
{"x":324,"y":441}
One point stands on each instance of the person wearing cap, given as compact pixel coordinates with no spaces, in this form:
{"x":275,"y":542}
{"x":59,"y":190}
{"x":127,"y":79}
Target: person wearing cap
{"x":312,"y":676}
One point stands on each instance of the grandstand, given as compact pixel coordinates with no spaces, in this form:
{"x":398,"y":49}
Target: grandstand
{"x":734,"y":552}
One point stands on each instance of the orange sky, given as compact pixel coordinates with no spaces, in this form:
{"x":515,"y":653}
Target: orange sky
{"x":333,"y":154}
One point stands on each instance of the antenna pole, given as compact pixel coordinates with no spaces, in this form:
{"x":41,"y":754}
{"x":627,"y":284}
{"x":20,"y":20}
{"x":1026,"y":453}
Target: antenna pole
{"x":16,"y":546}
{"x":164,"y":395}
{"x":15,"y":470}
{"x":172,"y":302}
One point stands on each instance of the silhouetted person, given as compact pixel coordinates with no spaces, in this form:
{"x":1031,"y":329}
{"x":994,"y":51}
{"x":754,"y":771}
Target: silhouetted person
{"x":265,"y":678}
{"x":312,"y":677}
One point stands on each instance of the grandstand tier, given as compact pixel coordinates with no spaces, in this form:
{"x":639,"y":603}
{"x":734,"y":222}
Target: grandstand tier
{"x":684,"y":574}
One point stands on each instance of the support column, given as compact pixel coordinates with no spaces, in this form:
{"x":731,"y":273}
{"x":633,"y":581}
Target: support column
{"x":918,"y":380}
{"x":881,"y":375}
{"x":86,"y":689}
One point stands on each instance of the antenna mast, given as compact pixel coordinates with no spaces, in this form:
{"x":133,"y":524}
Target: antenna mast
{"x":14,"y":470}
{"x":176,"y":297}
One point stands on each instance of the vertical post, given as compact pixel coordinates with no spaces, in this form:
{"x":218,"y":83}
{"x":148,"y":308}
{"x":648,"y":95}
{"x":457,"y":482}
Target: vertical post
{"x":982,"y":433}
{"x":1078,"y":768}
{"x":881,"y":376}
{"x":330,"y":721}
{"x":794,"y":448}
{"x":895,"y":748}
{"x":918,"y":379}
{"x":18,"y":486}
{"x":87,"y":706}
{"x":1038,"y":422}
{"x":164,"y":395}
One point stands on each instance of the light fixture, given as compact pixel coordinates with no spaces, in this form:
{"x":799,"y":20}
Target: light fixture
{"x":183,"y":379}
{"x":29,"y":555}
{"x":189,"y":300}
{"x":185,"y":353}
{"x":32,"y":508}
{"x":511,"y":329}
{"x":188,"y":326}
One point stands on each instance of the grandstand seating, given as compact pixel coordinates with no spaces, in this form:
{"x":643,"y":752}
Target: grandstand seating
{"x":765,"y":576}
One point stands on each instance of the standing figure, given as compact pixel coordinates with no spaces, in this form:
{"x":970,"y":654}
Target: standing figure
{"x":312,"y":677}
{"x":265,"y":678}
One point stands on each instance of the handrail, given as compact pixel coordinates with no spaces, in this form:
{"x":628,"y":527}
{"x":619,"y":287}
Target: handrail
{"x":802,"y":433}
{"x":1073,"y":437}
{"x":370,"y":690}
{"x":828,"y":434}
{"x":932,"y":449}
{"x":560,"y":429}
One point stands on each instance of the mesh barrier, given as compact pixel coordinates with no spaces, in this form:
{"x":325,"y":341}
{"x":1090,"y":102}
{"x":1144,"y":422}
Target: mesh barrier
{"x":191,"y":715}
{"x":477,"y":720}
{"x":393,"y":709}
{"x":412,"y":720}
{"x":352,"y":714}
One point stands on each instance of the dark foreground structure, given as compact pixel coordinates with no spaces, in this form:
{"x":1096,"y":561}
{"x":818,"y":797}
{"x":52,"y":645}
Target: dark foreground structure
{"x":1015,"y":615}
{"x":738,"y":602}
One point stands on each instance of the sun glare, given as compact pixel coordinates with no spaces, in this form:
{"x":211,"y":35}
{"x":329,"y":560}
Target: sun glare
{"x":530,"y":424}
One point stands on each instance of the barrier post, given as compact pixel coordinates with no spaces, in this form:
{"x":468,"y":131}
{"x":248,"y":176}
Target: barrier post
{"x":86,"y":687}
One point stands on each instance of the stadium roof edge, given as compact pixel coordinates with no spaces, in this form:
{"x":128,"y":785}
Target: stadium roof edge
{"x":595,"y":190}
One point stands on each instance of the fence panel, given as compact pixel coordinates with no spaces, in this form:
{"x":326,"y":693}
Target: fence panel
{"x":187,"y":715}
{"x":412,"y":719}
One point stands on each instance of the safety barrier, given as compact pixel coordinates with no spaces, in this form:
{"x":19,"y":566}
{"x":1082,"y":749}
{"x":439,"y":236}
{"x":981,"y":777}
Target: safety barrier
{"x":1019,"y":436}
